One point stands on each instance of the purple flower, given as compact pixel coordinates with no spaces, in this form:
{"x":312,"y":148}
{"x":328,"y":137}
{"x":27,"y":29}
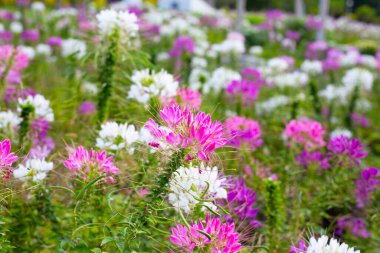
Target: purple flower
{"x":42,"y":147}
{"x":40,"y":127}
{"x":87,"y":108}
{"x":298,"y":249}
{"x":315,"y":49}
{"x":366,"y":185}
{"x":346,"y":148}
{"x":307,"y":158}
{"x":293,"y":35}
{"x":359,"y":120}
{"x":183,"y":44}
{"x":6,"y":15}
{"x":273,"y":14}
{"x":6,"y":36}
{"x":356,"y":226}
{"x":241,"y":200}
{"x":54,"y":41}
{"x":244,"y":90}
{"x":313,"y":23}
{"x":30,"y":35}
{"x":243,"y":133}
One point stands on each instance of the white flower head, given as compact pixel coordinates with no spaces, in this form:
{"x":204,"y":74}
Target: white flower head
{"x":358,"y":77}
{"x":339,"y":132}
{"x":40,"y":104}
{"x":43,"y":49}
{"x":34,"y":169}
{"x":123,"y":21}
{"x":326,"y":245}
{"x":37,"y":6}
{"x":220,"y":79}
{"x":117,"y":136}
{"x":9,"y":121}
{"x":16,"y":27}
{"x":188,"y":184}
{"x":74,"y":46}
{"x":312,"y":67}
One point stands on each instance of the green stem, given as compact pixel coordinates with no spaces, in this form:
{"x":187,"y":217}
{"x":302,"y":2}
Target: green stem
{"x":24,"y":125}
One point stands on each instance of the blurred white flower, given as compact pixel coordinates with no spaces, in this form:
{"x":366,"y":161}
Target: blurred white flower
{"x":271,"y":104}
{"x":9,"y":121}
{"x":16,"y":27}
{"x":43,"y":49}
{"x":358,"y":77}
{"x":219,"y":80}
{"x":312,"y":67}
{"x":34,"y":169}
{"x":40,"y":104}
{"x":74,"y":46}
{"x":37,"y":6}
{"x":326,"y":245}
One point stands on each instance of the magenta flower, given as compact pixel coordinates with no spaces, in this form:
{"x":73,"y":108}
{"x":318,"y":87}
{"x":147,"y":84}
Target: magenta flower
{"x":356,"y":226}
{"x":54,"y":41}
{"x":89,"y":164}
{"x":313,"y":23}
{"x":274,"y":14}
{"x":30,"y":35}
{"x":243,"y":132}
{"x":307,"y":158}
{"x":243,"y":90}
{"x":19,"y":61}
{"x":306,"y":132}
{"x":360,"y":120}
{"x":366,"y":185}
{"x":241,"y":200}
{"x":224,"y":239}
{"x":316,"y":49}
{"x":87,"y":108}
{"x":300,"y":248}
{"x":182,"y":44}
{"x":190,"y":97}
{"x":198,"y":134}
{"x":347,"y":149}
{"x":293,"y":35}
{"x":6,"y":158}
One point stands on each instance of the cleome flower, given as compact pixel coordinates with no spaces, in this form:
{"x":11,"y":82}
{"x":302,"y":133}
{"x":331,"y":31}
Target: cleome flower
{"x":306,"y":132}
{"x":197,"y":134}
{"x":6,"y":158}
{"x":40,"y":104}
{"x":115,"y":136}
{"x":347,"y":149}
{"x":243,"y":132}
{"x":189,"y":185}
{"x":223,"y":237}
{"x":328,"y":245}
{"x":123,"y":21}
{"x":90,"y":164}
{"x":34,"y":169}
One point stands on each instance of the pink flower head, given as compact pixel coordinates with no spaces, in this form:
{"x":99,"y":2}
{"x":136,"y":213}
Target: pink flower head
{"x":347,"y":149}
{"x":243,"y":132}
{"x":235,"y":36}
{"x":54,"y":41}
{"x":15,"y":60}
{"x":316,"y":49}
{"x":6,"y":158}
{"x":309,"y":133}
{"x":182,"y":44}
{"x":30,"y":35}
{"x":224,"y":239}
{"x":356,"y":226}
{"x":293,"y":35}
{"x":87,"y":108}
{"x":243,"y":90}
{"x":300,"y":248}
{"x":89,"y":164}
{"x":184,"y":130}
{"x":366,"y":185}
{"x":313,"y":23}
{"x":274,"y":14}
{"x":252,"y":75}
{"x":190,"y":97}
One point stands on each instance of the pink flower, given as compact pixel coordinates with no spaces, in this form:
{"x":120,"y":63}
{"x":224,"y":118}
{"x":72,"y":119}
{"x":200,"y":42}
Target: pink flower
{"x":190,"y":97}
{"x":224,"y":239}
{"x":243,"y":132}
{"x":17,"y":60}
{"x":6,"y":158}
{"x":184,"y":130}
{"x":307,"y":132}
{"x":89,"y":164}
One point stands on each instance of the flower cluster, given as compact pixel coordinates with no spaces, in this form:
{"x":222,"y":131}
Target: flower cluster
{"x":89,"y":164}
{"x":6,"y":159}
{"x":197,"y":134}
{"x":34,"y":169}
{"x":243,"y":133}
{"x":147,"y":84}
{"x":115,"y":136}
{"x":223,"y":237}
{"x":189,"y":186}
{"x":347,"y":149}
{"x":12,"y":60}
{"x":306,"y":132}
{"x":366,"y":185}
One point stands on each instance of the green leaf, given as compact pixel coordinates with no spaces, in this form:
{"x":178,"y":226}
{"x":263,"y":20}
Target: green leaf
{"x":106,"y":240}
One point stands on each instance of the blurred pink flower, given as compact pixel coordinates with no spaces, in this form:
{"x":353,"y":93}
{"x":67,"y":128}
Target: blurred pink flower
{"x":6,"y":158}
{"x":306,"y":132}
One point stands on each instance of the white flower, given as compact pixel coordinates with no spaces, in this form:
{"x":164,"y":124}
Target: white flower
{"x":117,"y":136}
{"x":189,"y":184}
{"x":147,"y":84}
{"x":358,"y":77}
{"x":219,"y":80}
{"x":312,"y":67}
{"x":123,"y":21}
{"x":16,"y":27}
{"x":9,"y":120}
{"x":369,"y":61}
{"x":294,"y":79}
{"x":29,"y":51}
{"x":330,"y":92}
{"x":229,"y":46}
{"x":37,"y":6}
{"x":198,"y":62}
{"x":43,"y":49}
{"x":90,"y":88}
{"x":162,"y":56}
{"x":256,"y":50}
{"x":276,"y":66}
{"x":74,"y":46}
{"x":339,"y":132}
{"x":34,"y":169}
{"x":40,"y":104}
{"x":271,"y":104}
{"x":324,"y":245}
{"x":198,"y":77}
